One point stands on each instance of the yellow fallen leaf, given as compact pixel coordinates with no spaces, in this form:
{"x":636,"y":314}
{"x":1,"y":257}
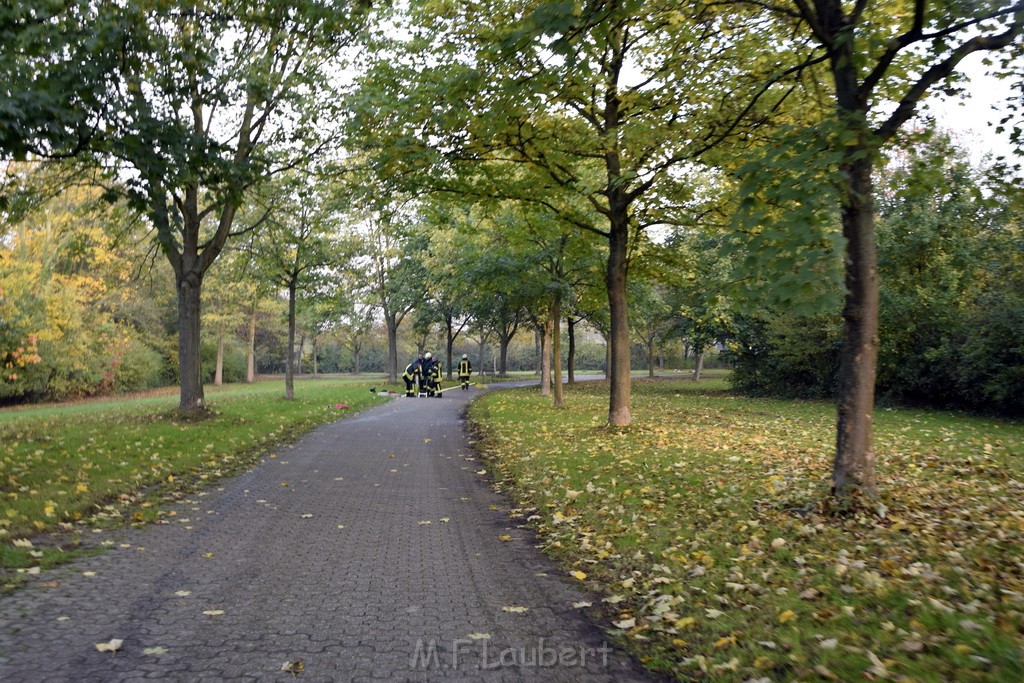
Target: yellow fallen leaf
{"x":686,"y":622}
{"x":112,"y":645}
{"x":479,"y":636}
{"x":81,"y":488}
{"x":515,"y":609}
{"x":213,"y":612}
{"x":579,"y":575}
{"x":787,"y":616}
{"x":725,"y":641}
{"x":505,"y":537}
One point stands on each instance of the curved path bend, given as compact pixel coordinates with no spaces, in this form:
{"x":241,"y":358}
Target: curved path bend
{"x":369,"y":550}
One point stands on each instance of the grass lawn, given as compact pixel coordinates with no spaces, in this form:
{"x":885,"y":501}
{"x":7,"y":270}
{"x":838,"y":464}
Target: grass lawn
{"x":705,"y":526}
{"x":64,"y":467}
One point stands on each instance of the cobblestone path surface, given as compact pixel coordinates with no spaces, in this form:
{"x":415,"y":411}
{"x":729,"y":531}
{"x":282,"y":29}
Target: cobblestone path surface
{"x":369,"y":550}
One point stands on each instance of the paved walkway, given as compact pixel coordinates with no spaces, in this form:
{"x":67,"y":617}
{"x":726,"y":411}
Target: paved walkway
{"x":368,"y":550}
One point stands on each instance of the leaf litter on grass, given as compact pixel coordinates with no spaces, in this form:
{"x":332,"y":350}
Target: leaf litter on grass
{"x":708,"y":520}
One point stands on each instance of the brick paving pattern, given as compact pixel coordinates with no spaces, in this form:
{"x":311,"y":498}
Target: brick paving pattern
{"x":362,"y":565}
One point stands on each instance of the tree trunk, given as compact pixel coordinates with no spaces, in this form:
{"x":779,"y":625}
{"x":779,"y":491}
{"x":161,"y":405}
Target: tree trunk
{"x":503,"y":355}
{"x":544,"y":336}
{"x":356,"y":348}
{"x":571,"y":360}
{"x":618,"y":266}
{"x":289,"y":371}
{"x":250,"y":372}
{"x":218,"y":373}
{"x":854,"y":468}
{"x":556,"y":349}
{"x":650,"y":358}
{"x":450,"y":344}
{"x":538,"y":343}
{"x":299,"y":353}
{"x":192,"y":399}
{"x":392,"y":348}
{"x":698,"y":365}
{"x":316,"y":370}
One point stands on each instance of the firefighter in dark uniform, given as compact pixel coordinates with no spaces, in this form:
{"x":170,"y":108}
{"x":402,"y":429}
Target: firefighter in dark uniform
{"x":427,"y":375}
{"x":465,"y":370}
{"x":411,"y":378}
{"x":434,"y":377}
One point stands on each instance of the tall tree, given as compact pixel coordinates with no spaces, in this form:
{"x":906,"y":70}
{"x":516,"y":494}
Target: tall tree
{"x":594,"y":109}
{"x":394,"y":265}
{"x":299,"y":241}
{"x":213,"y":98}
{"x":882,"y":60}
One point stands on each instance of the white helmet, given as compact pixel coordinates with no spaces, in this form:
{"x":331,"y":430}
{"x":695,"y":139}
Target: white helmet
{"x":465,"y":355}
{"x":427,"y":356}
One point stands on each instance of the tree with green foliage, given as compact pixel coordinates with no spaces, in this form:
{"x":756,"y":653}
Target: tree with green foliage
{"x":57,"y":60}
{"x":212,"y":98}
{"x":882,"y":60}
{"x":596,"y":111}
{"x":296,"y":248}
{"x":394,"y":261}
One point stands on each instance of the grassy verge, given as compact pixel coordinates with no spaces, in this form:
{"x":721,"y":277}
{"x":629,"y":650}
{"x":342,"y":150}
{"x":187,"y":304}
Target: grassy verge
{"x":704,"y":527}
{"x":100,"y":463}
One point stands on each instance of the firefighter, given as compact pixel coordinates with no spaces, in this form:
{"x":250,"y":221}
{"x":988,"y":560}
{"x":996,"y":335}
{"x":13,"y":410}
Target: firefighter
{"x":427,"y":375}
{"x":465,"y":370}
{"x":435,"y":376}
{"x":411,"y":377}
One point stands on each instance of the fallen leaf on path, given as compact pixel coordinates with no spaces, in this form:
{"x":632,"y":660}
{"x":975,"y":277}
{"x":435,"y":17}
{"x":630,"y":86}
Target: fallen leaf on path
{"x":479,"y":636}
{"x":579,"y":575}
{"x":515,"y":609}
{"x":581,"y":604}
{"x":183,"y":594}
{"x":213,"y":612}
{"x":424,"y":522}
{"x":294,"y":668}
{"x":112,"y":645}
{"x":625,"y":623}
{"x":445,"y":520}
{"x":505,"y":537}
{"x":155,"y":650}
{"x":307,"y":516}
